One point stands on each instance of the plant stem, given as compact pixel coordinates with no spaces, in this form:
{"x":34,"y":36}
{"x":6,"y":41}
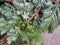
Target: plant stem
{"x":31,"y":42}
{"x":35,"y":14}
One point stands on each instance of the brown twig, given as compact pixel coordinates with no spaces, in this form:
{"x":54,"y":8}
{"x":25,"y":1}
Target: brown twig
{"x":10,"y":1}
{"x":54,"y":1}
{"x":34,"y":14}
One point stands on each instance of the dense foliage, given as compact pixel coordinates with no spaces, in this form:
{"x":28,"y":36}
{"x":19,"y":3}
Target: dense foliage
{"x":18,"y":22}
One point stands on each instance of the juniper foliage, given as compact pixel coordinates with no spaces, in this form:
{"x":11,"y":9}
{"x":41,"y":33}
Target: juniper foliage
{"x":14,"y":19}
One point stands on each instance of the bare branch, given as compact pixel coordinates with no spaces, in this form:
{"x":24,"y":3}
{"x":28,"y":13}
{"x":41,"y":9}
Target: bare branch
{"x":35,"y":14}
